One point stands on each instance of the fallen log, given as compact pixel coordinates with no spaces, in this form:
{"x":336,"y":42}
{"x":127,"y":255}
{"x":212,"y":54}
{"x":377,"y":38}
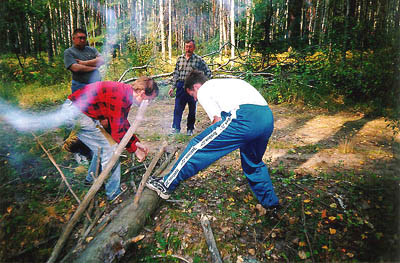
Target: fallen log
{"x":111,"y":242}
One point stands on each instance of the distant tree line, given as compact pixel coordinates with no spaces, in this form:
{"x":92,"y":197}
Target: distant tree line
{"x":29,"y":27}
{"x":365,"y":32}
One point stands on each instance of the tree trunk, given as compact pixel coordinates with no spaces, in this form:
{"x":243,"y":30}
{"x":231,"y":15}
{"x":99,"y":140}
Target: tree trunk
{"x":221,"y":29}
{"x":232,"y":31}
{"x":110,"y":243}
{"x":170,"y":31}
{"x":162,"y":35}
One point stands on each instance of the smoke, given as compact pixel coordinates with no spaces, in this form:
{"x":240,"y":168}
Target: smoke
{"x":25,"y":121}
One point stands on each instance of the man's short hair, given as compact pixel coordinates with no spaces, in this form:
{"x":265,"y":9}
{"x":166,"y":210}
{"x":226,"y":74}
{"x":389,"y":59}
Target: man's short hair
{"x":147,"y":84}
{"x":194,"y":77}
{"x":79,"y":30}
{"x":187,"y":41}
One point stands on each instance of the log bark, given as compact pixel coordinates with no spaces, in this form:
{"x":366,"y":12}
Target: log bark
{"x":111,"y":242}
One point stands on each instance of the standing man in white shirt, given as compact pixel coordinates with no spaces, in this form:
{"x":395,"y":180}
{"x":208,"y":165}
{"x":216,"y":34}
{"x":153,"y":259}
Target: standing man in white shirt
{"x":241,"y":119}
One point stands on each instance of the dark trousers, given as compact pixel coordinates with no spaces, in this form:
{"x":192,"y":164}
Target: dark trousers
{"x":181,"y":99}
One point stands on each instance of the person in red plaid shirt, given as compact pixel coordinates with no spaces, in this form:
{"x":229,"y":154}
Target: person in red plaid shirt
{"x":111,"y":101}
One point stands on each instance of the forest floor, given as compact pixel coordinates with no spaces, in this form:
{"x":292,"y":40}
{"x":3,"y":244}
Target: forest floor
{"x":336,"y":174}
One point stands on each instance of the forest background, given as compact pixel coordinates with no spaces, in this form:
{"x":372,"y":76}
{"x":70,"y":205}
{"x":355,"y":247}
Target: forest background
{"x":321,"y":54}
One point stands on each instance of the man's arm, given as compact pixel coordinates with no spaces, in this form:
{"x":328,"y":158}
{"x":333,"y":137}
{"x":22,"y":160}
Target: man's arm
{"x":97,"y":62}
{"x":206,"y":70}
{"x":216,"y":119}
{"x":76,"y":67}
{"x":174,"y":78}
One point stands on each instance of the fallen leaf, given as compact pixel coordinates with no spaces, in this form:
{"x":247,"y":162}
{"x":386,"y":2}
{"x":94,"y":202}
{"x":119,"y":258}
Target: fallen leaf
{"x":333,"y":205}
{"x":350,"y":255}
{"x":88,"y":239}
{"x":239,"y":259}
{"x":307,"y":201}
{"x":137,"y":238}
{"x":9,"y":209}
{"x":332,"y":231}
{"x":302,"y":254}
{"x":252,"y":251}
{"x":323,"y":214}
{"x":325,"y":247}
{"x":261,"y":209}
{"x":302,"y":244}
{"x":332,"y":218}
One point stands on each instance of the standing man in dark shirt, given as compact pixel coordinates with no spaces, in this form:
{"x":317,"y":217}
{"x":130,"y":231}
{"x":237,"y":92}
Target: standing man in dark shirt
{"x":83,"y":61}
{"x":185,"y":64}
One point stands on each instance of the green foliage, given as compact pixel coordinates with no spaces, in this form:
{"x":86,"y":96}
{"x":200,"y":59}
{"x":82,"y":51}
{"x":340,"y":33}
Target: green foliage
{"x":328,"y":80}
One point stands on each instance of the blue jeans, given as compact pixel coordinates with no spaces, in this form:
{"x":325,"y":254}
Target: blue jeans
{"x":91,"y":136}
{"x":75,"y":85}
{"x":181,"y":99}
{"x":249,"y":131}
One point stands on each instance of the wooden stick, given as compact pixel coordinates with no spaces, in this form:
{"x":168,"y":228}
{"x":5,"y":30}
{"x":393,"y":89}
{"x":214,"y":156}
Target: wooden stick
{"x":61,"y":173}
{"x":305,"y":232}
{"x":208,"y":234}
{"x":172,"y":256}
{"x":148,"y":172}
{"x":98,"y":183}
{"x":165,"y":163}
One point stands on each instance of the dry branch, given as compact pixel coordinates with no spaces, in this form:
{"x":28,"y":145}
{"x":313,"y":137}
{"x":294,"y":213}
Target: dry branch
{"x":61,"y":173}
{"x":111,"y":241}
{"x":208,"y":234}
{"x":147,"y":174}
{"x":305,"y":232}
{"x":98,"y":183}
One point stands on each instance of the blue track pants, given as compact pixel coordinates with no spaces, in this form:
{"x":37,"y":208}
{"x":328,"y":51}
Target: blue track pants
{"x":249,"y":131}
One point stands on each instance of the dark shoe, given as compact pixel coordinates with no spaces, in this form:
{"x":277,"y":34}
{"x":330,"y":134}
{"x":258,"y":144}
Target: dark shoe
{"x":88,"y":183}
{"x":189,"y":133}
{"x":157,"y":185}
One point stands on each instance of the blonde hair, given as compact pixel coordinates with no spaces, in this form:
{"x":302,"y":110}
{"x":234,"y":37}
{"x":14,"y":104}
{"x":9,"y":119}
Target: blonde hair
{"x":147,"y":84}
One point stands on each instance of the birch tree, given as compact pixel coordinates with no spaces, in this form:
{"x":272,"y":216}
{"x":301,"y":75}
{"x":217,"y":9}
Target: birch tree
{"x":232,"y":16}
{"x":162,"y":32}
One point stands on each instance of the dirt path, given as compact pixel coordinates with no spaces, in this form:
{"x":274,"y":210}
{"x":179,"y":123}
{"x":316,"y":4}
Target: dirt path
{"x":304,"y":140}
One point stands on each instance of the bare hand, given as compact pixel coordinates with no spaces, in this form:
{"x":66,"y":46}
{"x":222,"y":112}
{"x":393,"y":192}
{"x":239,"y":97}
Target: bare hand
{"x":104,"y":123}
{"x":141,"y":151}
{"x":171,"y":92}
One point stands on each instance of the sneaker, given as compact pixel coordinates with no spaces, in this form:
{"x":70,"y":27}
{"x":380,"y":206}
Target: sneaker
{"x":189,"y":133}
{"x":174,"y":131}
{"x":157,"y":185}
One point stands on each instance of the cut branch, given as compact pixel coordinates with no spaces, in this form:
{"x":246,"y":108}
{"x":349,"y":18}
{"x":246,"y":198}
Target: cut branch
{"x":208,"y":234}
{"x":60,"y":171}
{"x":147,"y":174}
{"x":98,"y":183}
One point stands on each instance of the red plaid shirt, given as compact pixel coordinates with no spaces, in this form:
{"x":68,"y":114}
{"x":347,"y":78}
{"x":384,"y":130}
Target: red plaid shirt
{"x":108,"y":100}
